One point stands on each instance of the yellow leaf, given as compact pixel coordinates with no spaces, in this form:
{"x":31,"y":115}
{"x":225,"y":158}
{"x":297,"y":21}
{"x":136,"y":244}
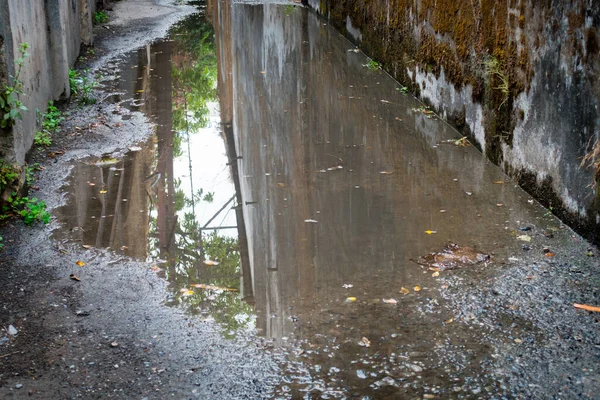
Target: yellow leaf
{"x":187,"y":292}
{"x":436,"y":274}
{"x":404,"y":290}
{"x":430,"y":232}
{"x":417,"y":288}
{"x":80,"y":263}
{"x":140,"y":91}
{"x":350,"y":299}
{"x":210,"y":263}
{"x":499,"y":182}
{"x":449,"y":321}
{"x":102,"y":191}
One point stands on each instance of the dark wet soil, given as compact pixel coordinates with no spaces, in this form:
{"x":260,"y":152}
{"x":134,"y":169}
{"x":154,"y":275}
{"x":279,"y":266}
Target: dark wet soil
{"x":241,"y":210}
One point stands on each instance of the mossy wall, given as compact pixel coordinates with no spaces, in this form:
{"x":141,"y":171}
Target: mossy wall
{"x":519,"y":77}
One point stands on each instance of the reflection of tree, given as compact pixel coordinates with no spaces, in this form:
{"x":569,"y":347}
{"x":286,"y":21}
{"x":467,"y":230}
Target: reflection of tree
{"x":176,"y":231}
{"x":194,"y":73}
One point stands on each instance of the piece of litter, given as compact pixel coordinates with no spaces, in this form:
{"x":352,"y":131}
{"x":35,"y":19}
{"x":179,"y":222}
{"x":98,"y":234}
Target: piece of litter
{"x":313,"y":221}
{"x":12,"y":330}
{"x":347,"y":285}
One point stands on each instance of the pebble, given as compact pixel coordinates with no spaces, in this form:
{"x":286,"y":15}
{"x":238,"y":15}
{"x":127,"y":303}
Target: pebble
{"x":415,"y":368}
{"x":12,"y":330}
{"x":18,"y":386}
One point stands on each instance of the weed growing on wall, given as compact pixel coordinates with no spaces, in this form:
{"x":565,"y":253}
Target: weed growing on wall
{"x":10,"y":105}
{"x":493,"y":69}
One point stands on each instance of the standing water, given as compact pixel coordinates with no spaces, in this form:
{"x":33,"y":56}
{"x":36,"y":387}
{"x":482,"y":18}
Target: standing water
{"x":294,"y":191}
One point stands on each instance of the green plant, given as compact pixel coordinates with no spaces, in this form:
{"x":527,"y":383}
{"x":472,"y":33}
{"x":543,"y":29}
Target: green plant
{"x":31,"y":210}
{"x":42,"y":138}
{"x":372,"y":64}
{"x":288,"y":10}
{"x":100,"y":17}
{"x":82,"y":86}
{"x":8,"y":174}
{"x":29,"y":171}
{"x":1,"y":244}
{"x":402,"y":89}
{"x":10,"y":105}
{"x":493,"y":69}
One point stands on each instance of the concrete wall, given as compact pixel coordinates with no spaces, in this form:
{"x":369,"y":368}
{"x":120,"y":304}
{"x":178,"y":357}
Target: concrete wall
{"x":54,"y":30}
{"x":519,"y":77}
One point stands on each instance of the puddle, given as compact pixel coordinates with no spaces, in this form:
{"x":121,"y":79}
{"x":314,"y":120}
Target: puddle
{"x":327,"y":182}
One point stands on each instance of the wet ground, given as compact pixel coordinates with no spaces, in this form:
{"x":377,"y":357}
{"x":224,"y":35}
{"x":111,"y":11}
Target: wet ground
{"x":254,"y":208}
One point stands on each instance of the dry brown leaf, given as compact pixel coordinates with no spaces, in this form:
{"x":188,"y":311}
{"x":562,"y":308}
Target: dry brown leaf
{"x":365,"y":342}
{"x":404,"y":290}
{"x":74,"y":277}
{"x":87,"y":246}
{"x":210,"y":263}
{"x":390,"y":301}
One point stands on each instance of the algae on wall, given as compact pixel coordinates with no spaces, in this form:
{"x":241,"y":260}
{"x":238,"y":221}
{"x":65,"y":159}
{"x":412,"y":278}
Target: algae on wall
{"x":520,"y":77}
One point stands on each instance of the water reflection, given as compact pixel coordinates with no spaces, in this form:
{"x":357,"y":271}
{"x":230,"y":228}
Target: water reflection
{"x":344,"y":181}
{"x":171,"y":200}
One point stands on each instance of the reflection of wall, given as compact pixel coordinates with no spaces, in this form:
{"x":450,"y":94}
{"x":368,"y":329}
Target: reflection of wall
{"x":303,"y":103}
{"x":118,"y":217}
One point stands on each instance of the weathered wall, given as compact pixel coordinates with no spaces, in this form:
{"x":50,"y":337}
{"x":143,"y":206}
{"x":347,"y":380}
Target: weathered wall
{"x":54,"y":30}
{"x":520,"y":77}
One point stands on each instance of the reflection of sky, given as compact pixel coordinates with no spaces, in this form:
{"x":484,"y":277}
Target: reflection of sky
{"x":209,"y":172}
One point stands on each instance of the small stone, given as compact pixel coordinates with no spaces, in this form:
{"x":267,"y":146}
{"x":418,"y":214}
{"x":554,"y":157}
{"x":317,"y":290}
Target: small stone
{"x":18,"y":386}
{"x":415,"y":367}
{"x":12,"y":330}
{"x":114,"y":344}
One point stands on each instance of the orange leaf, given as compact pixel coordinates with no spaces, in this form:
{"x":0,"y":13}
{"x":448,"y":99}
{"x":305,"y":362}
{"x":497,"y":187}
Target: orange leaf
{"x":586,"y":307}
{"x":80,"y":263}
{"x":550,"y":254}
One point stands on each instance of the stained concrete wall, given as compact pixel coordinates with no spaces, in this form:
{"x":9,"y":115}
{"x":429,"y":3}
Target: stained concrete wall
{"x":519,"y":77}
{"x":54,"y":30}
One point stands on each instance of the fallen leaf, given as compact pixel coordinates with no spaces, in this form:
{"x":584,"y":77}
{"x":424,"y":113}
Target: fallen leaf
{"x":63,"y":251}
{"x":417,"y":288}
{"x":155,"y":268}
{"x":449,"y":321}
{"x":92,"y":184}
{"x":404,"y":290}
{"x":87,"y":246}
{"x":186,"y":292}
{"x":350,"y":299}
{"x":103,"y":192}
{"x":263,"y":72}
{"x":525,"y":238}
{"x":210,"y":263}
{"x":390,"y":301}
{"x":518,"y":341}
{"x":74,"y":277}
{"x":135,"y":148}
{"x":80,"y":263}
{"x":140,"y":91}
{"x":281,"y":184}
{"x":499,"y":204}
{"x":364,"y":342}
{"x":429,"y":396}
{"x":386,"y":172}
{"x":436,"y":274}
{"x":549,"y":254}
{"x":212,"y":287}
{"x":430,"y":232}
{"x":499,"y":182}
{"x":587,"y":307}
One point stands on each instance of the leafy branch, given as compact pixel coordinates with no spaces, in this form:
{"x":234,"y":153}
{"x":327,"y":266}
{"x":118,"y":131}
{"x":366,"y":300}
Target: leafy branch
{"x":10,"y":105}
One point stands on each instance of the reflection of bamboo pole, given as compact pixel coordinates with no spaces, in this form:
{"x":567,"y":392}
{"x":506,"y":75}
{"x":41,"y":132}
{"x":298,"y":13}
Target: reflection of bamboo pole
{"x":117,"y":213}
{"x":218,"y":212}
{"x":100,"y":231}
